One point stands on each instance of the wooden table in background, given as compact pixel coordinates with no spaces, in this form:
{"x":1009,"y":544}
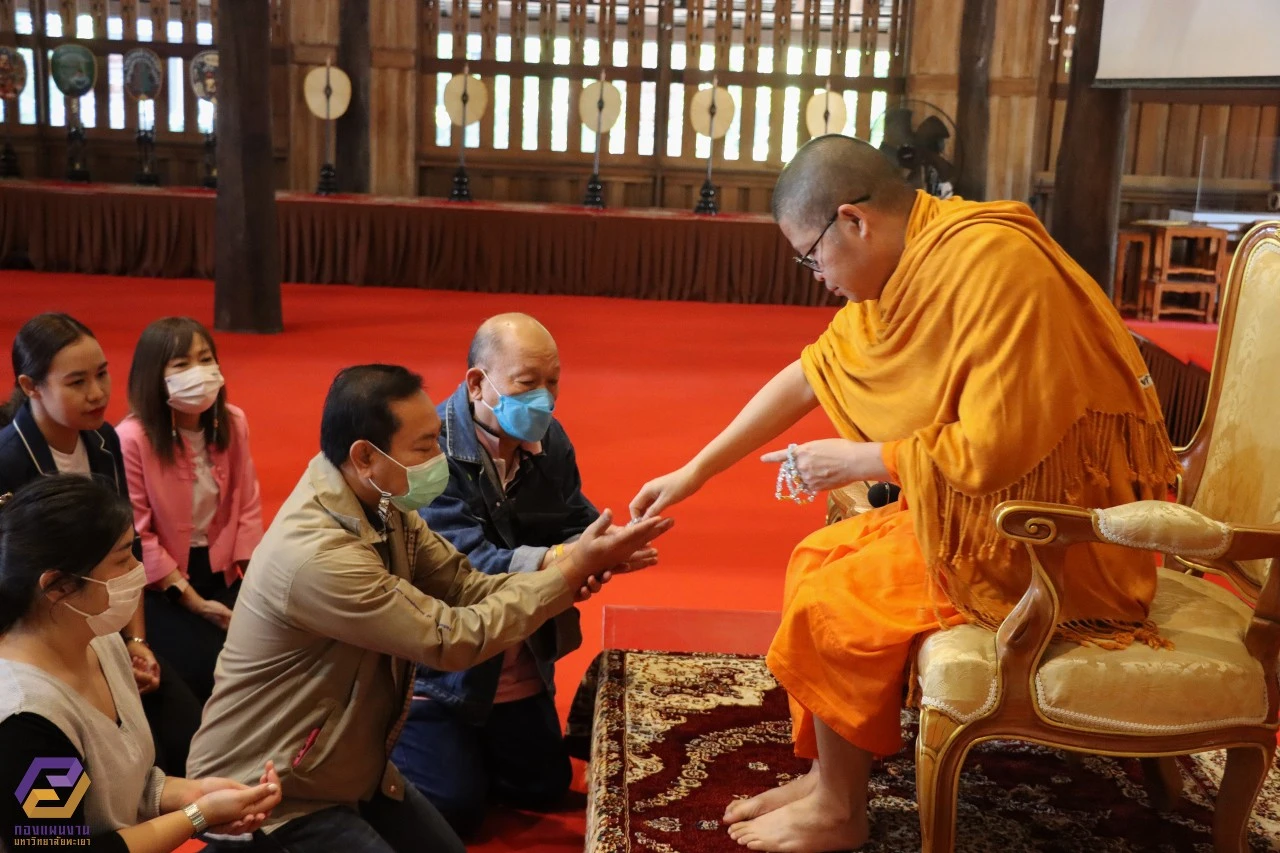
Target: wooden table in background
{"x":1202,"y":275}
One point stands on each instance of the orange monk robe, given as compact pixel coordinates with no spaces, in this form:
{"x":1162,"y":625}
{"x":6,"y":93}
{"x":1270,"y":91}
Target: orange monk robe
{"x":993,"y":368}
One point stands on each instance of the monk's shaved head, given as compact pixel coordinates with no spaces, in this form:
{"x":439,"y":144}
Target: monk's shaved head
{"x":506,"y":333}
{"x":832,"y":170}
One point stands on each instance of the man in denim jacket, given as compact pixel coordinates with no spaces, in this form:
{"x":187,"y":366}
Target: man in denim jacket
{"x":514,"y":504}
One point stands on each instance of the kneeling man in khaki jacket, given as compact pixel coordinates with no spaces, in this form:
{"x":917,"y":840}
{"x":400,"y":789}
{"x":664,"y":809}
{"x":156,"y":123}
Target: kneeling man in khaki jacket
{"x":348,"y":591}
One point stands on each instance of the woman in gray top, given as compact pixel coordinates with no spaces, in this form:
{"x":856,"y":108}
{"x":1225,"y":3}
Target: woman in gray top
{"x":76,"y":758}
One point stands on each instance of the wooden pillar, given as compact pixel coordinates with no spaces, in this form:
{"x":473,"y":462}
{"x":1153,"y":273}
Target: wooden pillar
{"x":247,"y":279}
{"x":973,"y":105}
{"x":1086,"y":184}
{"x":355,"y":58}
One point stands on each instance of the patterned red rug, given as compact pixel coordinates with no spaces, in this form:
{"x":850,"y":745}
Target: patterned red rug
{"x":675,"y":737}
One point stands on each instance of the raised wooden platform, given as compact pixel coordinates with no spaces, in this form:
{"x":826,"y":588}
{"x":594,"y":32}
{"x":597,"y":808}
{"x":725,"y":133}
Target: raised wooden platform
{"x":414,"y":242}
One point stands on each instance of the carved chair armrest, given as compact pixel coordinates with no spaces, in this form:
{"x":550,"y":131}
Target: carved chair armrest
{"x":1028,"y":629}
{"x":1047,"y":529}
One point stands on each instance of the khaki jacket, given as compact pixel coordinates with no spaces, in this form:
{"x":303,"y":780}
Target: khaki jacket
{"x":317,"y":670}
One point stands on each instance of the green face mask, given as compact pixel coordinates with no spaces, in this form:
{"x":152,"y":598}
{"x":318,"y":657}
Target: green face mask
{"x":426,"y":483}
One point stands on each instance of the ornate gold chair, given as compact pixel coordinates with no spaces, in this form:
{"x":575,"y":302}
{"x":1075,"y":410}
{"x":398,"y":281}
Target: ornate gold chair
{"x":1217,"y":689}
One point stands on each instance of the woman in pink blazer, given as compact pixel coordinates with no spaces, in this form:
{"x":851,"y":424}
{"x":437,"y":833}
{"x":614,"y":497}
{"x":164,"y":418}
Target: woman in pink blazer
{"x":194,"y":490}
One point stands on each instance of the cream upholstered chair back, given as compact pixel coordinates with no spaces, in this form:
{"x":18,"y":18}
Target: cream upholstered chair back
{"x":1233,"y":461}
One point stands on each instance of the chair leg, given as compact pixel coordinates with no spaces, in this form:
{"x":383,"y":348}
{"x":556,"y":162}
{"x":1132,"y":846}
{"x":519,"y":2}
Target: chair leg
{"x":1246,"y":771}
{"x":1163,"y":781}
{"x":938,"y":761}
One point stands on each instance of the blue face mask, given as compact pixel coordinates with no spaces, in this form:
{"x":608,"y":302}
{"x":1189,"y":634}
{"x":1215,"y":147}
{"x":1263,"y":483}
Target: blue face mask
{"x":524,"y":417}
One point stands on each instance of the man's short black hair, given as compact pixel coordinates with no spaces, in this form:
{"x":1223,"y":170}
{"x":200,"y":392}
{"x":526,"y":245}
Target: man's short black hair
{"x":358,"y":406}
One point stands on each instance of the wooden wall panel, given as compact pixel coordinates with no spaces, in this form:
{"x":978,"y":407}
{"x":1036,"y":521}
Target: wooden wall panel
{"x":1181,"y":140}
{"x":393,"y":121}
{"x":393,"y":96}
{"x":1231,"y":136}
{"x":1215,"y":120}
{"x":306,"y":132}
{"x":1265,"y":163}
{"x":1017,"y":63}
{"x":1152,"y":127}
{"x":1058,"y":118}
{"x":1010,"y":169}
{"x":935,"y":52}
{"x":935,"y":38}
{"x":1016,"y":51}
{"x":313,"y":21}
{"x":313,"y":38}
{"x":306,"y":33}
{"x":1242,"y":142}
{"x":1131,"y":140}
{"x":1169,"y":138}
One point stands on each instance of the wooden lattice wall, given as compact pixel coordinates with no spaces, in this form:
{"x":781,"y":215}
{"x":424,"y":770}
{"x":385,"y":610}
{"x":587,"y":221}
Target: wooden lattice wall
{"x":537,"y":55}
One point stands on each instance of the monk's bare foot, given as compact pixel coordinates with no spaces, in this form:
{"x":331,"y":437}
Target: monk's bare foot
{"x":774,"y":798}
{"x":812,"y":824}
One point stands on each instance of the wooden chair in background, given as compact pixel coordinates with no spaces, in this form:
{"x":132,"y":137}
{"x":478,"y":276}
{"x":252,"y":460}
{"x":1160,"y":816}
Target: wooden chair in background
{"x":1186,"y":258}
{"x":1128,"y":291}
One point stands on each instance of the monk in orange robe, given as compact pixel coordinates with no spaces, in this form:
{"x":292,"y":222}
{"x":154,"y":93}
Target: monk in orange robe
{"x":974,"y":363}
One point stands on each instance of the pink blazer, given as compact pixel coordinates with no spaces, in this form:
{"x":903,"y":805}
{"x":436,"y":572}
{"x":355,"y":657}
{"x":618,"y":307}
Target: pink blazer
{"x":161,"y":497}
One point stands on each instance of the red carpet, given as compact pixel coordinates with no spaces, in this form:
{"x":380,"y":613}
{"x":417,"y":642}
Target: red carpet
{"x":1191,"y":342}
{"x":645,"y":385}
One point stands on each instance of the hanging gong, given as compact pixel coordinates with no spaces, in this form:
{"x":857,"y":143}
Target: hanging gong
{"x":700,"y":107}
{"x":826,"y":113}
{"x":327,"y":91}
{"x":589,"y":105}
{"x":465,"y":99}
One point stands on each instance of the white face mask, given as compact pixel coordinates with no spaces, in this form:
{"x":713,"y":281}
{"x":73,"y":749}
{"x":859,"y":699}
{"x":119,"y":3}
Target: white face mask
{"x":123,"y":595}
{"x":195,"y":389}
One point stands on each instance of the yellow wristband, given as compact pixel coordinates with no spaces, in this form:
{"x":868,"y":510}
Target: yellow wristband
{"x":557,"y":553}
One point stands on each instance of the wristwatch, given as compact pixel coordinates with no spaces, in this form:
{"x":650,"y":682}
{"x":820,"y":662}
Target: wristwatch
{"x":196,"y":817}
{"x":174,"y":591}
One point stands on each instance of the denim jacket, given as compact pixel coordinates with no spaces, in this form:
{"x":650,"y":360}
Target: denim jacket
{"x":502,"y":533}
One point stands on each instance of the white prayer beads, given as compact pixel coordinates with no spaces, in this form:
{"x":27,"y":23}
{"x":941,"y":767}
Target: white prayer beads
{"x":789,"y":477}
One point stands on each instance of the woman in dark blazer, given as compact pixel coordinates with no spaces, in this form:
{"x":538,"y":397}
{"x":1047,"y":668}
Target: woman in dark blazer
{"x":55,"y":422}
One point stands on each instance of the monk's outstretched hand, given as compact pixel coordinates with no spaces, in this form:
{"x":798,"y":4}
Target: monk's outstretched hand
{"x":667,"y":490}
{"x":830,"y":463}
